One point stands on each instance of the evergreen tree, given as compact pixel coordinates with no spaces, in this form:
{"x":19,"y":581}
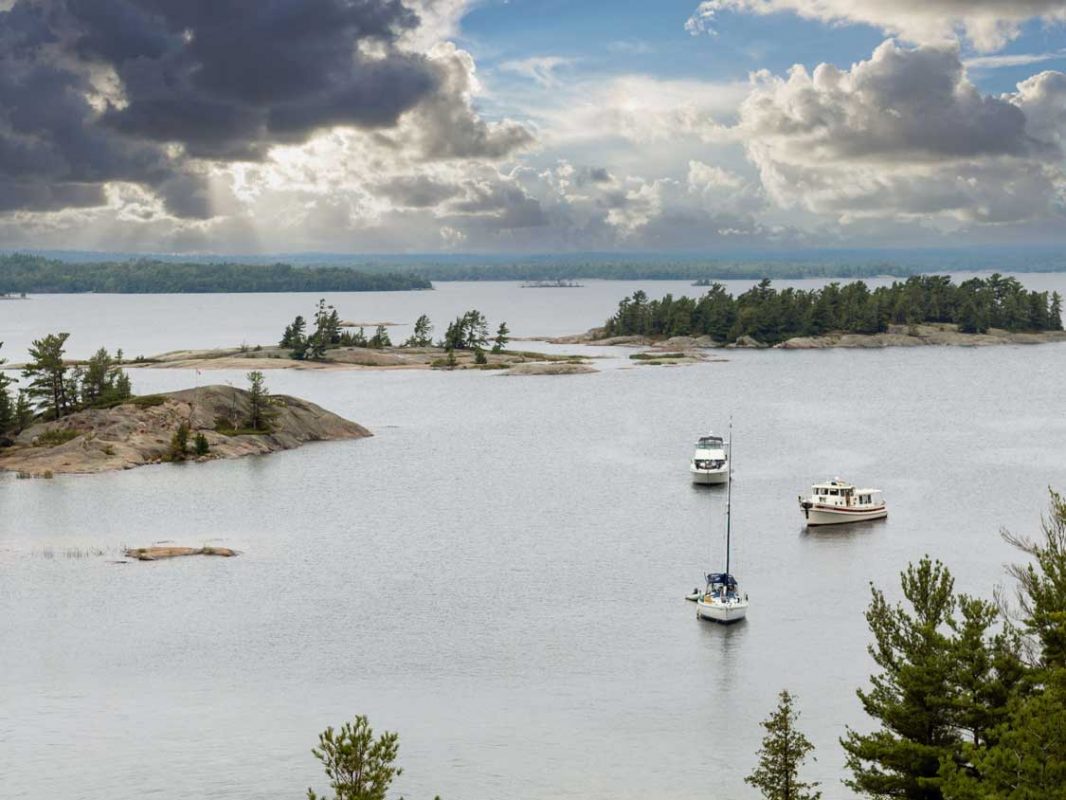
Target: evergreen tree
{"x":293,"y":338}
{"x":380,"y":338}
{"x":910,"y":696}
{"x":1026,"y":757}
{"x":502,"y":338}
{"x":422,"y":336}
{"x":103,"y":380}
{"x":449,"y":359}
{"x":23,"y":412}
{"x":179,"y":442}
{"x":259,"y":411}
{"x":327,"y":328}
{"x":1055,"y":312}
{"x":200,"y":445}
{"x":986,"y":669}
{"x":47,"y":374}
{"x":7,"y":403}
{"x":333,"y":326}
{"x":479,"y":356}
{"x":455,"y":335}
{"x":784,"y":750}
{"x":359,"y":765}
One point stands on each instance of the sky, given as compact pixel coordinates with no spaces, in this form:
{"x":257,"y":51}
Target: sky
{"x":531,"y":126}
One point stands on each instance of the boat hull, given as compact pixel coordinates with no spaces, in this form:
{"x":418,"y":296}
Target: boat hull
{"x":709,"y":476}
{"x":724,"y":613}
{"x":819,"y":516}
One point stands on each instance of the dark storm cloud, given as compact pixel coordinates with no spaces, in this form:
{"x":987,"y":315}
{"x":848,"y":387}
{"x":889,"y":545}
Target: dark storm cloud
{"x":93,"y":91}
{"x":228,"y":78}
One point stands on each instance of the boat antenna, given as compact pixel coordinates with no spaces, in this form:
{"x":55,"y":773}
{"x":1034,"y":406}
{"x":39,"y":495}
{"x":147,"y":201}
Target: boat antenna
{"x":728,"y":495}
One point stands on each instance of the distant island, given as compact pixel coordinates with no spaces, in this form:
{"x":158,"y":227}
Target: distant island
{"x":559,"y":283}
{"x":22,"y":274}
{"x":765,"y":316}
{"x":326,"y":342}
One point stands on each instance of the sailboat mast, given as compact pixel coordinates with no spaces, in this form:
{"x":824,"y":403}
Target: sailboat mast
{"x":728,"y":496}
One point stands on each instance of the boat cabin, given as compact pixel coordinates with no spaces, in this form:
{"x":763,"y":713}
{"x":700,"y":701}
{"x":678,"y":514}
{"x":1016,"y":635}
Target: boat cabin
{"x":838,"y":493}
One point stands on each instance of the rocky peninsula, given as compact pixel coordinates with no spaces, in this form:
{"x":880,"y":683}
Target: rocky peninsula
{"x":141,"y":431}
{"x":342,"y":357}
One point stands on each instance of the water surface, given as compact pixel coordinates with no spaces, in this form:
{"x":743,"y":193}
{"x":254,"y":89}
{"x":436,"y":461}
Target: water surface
{"x":498,"y":573}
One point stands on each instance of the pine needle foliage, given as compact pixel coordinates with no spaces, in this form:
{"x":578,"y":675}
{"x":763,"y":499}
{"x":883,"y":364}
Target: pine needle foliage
{"x":359,"y":765}
{"x":784,"y":751}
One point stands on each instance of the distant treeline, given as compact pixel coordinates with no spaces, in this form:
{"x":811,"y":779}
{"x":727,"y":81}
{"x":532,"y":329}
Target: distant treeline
{"x":568,"y":270}
{"x":772,"y":316}
{"x":36,"y":275}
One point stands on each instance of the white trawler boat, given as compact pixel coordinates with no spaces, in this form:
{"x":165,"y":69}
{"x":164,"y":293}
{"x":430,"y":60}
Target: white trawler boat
{"x":710,"y":462}
{"x":835,"y":502}
{"x":721,"y":601}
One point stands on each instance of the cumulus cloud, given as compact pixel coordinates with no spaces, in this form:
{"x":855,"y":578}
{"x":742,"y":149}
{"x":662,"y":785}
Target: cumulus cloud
{"x":903,"y":134}
{"x":152,"y":92}
{"x":987,"y":24}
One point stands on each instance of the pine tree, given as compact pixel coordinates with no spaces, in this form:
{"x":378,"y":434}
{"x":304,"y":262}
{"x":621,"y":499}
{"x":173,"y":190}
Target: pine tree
{"x":359,"y":765}
{"x":179,"y":442}
{"x":47,"y":374}
{"x":1055,"y":312}
{"x":422,"y":336}
{"x":333,"y":326}
{"x":784,"y":750}
{"x":259,"y":412}
{"x":200,"y":445}
{"x":1026,"y":757}
{"x":7,"y":404}
{"x":23,"y":412}
{"x":380,"y":339}
{"x":502,"y":338}
{"x":455,"y":335}
{"x":449,"y":359}
{"x":293,"y":338}
{"x":910,"y":696}
{"x":476,"y":328}
{"x":479,"y":356}
{"x":103,"y":381}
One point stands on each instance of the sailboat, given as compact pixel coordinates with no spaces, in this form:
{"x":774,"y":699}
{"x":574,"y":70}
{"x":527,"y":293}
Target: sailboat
{"x":721,"y":600}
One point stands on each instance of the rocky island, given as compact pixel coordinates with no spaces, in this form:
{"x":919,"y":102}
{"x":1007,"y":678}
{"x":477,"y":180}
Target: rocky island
{"x":923,"y":310}
{"x":142,"y":431}
{"x":942,"y":334}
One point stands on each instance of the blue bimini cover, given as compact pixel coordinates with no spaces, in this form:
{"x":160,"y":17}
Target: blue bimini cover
{"x":723,"y":578}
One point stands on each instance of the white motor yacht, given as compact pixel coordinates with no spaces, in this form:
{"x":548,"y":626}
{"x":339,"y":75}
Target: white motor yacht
{"x":835,"y":502}
{"x":710,"y":462}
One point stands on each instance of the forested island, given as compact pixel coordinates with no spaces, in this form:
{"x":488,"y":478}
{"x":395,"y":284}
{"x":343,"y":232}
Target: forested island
{"x":770,"y":316}
{"x":22,"y":274}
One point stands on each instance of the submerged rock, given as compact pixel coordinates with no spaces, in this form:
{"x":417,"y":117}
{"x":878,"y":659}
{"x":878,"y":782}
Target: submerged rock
{"x":157,"y":553}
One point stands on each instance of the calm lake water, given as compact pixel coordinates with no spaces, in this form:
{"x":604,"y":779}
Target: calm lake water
{"x":497,"y":575}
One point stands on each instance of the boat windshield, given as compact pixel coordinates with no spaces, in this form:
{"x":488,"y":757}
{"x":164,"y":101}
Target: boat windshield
{"x":710,"y":443}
